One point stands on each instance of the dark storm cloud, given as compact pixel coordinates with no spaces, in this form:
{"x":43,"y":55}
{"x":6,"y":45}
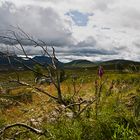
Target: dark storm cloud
{"x":87,"y":47}
{"x":87,"y":52}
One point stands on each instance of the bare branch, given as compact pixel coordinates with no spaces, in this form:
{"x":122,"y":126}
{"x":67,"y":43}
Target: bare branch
{"x":89,"y":104}
{"x":76,"y":104}
{"x":32,"y":129}
{"x":33,"y":87}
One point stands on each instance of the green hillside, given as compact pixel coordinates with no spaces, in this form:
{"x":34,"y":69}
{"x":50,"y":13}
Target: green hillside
{"x":119,"y":64}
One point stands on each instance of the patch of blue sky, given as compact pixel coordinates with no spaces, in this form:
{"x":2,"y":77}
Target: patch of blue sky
{"x":80,"y":19}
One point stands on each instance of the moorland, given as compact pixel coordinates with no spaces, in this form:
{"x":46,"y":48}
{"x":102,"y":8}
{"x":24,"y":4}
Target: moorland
{"x":94,"y":107}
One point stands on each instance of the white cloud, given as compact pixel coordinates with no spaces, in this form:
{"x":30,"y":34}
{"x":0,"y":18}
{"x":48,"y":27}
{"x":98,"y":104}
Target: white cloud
{"x":114,"y":26}
{"x":43,"y":23}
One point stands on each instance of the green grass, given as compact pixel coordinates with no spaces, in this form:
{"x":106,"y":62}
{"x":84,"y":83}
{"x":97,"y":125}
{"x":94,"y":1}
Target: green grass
{"x":118,"y":114}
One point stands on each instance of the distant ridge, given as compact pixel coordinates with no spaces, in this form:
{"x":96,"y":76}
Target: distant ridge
{"x":16,"y":62}
{"x":47,"y":60}
{"x":118,"y":64}
{"x":42,"y":59}
{"x":119,"y":61}
{"x":81,"y":63}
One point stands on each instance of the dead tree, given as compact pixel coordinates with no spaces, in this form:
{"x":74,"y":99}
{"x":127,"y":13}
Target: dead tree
{"x":76,"y":106}
{"x":54,"y":72}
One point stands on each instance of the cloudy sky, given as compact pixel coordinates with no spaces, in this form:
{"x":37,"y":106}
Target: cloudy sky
{"x":79,"y":29}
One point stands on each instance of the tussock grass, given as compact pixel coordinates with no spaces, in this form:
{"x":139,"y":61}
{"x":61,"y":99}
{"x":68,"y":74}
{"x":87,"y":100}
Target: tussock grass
{"x":118,"y":113}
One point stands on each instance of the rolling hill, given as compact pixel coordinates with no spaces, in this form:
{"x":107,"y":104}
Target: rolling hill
{"x":79,"y":63}
{"x":117,"y":64}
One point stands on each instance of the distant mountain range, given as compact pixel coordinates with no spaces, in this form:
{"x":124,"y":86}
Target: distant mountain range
{"x":15,"y":61}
